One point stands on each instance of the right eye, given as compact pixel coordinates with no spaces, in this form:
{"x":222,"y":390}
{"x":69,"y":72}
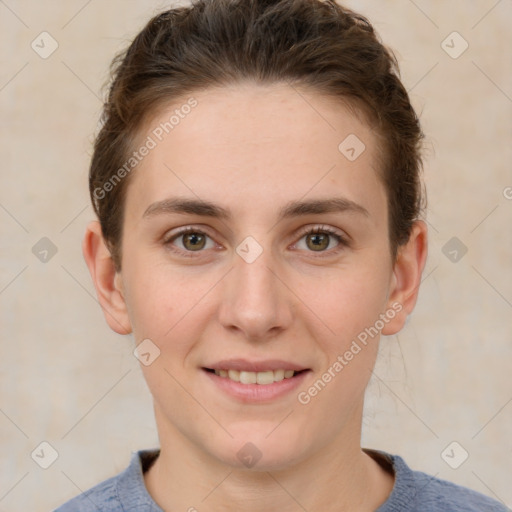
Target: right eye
{"x":191,"y":240}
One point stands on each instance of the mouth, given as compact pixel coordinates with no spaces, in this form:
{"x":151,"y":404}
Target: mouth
{"x":256,"y":382}
{"x":263,"y":378}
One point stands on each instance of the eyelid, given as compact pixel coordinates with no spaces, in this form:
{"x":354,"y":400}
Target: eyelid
{"x":342,"y":238}
{"x":184,"y":230}
{"x":322,"y":228}
{"x":168,"y":238}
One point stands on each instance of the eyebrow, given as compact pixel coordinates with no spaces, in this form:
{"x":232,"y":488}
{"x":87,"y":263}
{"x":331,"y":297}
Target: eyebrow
{"x":292,"y":209}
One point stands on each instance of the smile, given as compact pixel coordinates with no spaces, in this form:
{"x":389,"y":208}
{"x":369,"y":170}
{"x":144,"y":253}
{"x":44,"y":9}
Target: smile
{"x":263,"y":378}
{"x":256,"y":382}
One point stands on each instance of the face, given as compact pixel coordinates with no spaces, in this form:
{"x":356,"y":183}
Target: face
{"x":284,"y":267}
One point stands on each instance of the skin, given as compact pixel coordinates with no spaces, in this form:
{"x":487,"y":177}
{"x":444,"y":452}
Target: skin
{"x":294,"y":302}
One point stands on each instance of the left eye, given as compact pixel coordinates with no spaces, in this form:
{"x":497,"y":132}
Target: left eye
{"x":193,"y":240}
{"x":320,"y":240}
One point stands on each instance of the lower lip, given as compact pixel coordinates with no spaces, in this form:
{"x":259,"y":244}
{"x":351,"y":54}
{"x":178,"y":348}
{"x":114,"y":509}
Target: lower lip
{"x":257,"y":392}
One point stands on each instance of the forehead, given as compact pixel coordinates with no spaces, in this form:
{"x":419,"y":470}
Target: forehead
{"x":258,"y":143}
{"x":251,"y":114}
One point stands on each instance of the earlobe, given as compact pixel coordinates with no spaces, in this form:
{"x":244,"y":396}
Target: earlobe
{"x":406,"y":278}
{"x":106,"y":279}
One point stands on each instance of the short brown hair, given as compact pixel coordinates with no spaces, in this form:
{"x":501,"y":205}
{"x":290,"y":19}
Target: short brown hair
{"x":317,"y":44}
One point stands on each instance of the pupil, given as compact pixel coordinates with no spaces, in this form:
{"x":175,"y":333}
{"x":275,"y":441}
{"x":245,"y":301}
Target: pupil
{"x":195,"y":240}
{"x":319,"y":240}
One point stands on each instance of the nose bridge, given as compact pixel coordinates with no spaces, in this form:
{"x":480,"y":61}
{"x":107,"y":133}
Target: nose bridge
{"x":255,"y":301}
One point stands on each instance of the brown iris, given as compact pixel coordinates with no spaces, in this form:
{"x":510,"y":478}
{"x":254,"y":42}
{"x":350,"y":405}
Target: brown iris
{"x":318,"y":240}
{"x":194,"y":241}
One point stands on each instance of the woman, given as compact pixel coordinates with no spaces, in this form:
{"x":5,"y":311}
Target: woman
{"x":257,"y":185}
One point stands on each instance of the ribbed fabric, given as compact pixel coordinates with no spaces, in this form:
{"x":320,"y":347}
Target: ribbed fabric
{"x":414,"y":491}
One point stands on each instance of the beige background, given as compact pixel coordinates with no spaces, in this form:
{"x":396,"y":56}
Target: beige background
{"x":66,"y":379}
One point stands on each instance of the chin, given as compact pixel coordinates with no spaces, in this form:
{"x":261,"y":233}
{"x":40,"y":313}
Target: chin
{"x":260,"y":451}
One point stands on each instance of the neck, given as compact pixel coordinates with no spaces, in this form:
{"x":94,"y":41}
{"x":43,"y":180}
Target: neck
{"x":340,"y":477}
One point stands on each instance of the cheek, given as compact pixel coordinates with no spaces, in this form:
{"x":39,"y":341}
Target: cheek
{"x":351,"y":307}
{"x":166,"y":305}
{"x":346,"y":302}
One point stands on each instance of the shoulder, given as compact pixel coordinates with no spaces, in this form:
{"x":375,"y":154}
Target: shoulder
{"x":440,"y":495}
{"x":122,"y":493}
{"x":103,"y":496}
{"x":416,"y":491}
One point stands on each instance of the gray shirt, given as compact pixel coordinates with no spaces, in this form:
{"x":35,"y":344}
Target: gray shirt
{"x":413,"y":491}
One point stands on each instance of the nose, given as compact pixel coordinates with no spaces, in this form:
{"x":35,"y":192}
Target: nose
{"x":255,"y":301}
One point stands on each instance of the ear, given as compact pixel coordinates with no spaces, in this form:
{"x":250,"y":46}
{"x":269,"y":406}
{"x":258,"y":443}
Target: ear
{"x":406,"y":278}
{"x":107,"y":280}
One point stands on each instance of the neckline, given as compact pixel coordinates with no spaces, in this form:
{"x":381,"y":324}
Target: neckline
{"x":133,"y":489}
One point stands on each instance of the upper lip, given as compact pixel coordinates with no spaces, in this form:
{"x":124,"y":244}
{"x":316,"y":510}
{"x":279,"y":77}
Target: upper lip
{"x":255,"y":366}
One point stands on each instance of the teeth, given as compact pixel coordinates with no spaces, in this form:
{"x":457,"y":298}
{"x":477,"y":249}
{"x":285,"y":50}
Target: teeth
{"x":234,"y":375}
{"x":248,"y":377}
{"x":267,"y":377}
{"x":278,"y":375}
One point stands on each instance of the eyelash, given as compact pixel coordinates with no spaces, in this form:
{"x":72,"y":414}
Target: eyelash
{"x":342,"y":240}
